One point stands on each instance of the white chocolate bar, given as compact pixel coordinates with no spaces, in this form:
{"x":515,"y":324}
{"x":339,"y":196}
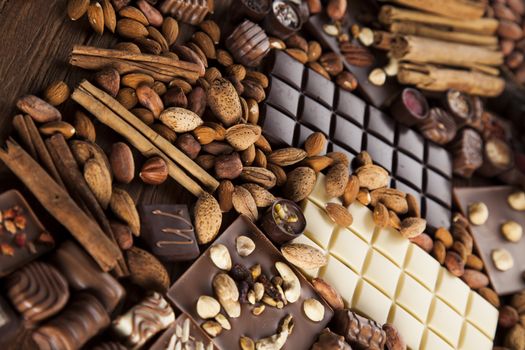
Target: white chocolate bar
{"x":385,"y":277}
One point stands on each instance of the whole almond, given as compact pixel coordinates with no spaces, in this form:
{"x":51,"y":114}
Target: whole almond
{"x":224,"y":101}
{"x":154,"y":171}
{"x":242,"y":136}
{"x":299,"y":184}
{"x":336,"y":180}
{"x":318,"y":163}
{"x":212,"y":73}
{"x":244,"y":203}
{"x":225,"y":193}
{"x":517,"y":6}
{"x":297,"y":42}
{"x":304,"y":256}
{"x":98,"y":181}
{"x":131,"y":29}
{"x":439,"y":252}
{"x":444,"y":236}
{"x":347,"y":81}
{"x":146,"y":270}
{"x":332,"y":63}
{"x":395,"y":222}
{"x":236,"y":70}
{"x":510,"y":30}
{"x":412,"y":227}
{"x":258,"y":77}
{"x":314,"y":51}
{"x":248,"y":155}
{"x":363,"y":197}
{"x":208,"y":218}
{"x":508,"y":317}
{"x":260,"y":159}
{"x":279,"y":173}
{"x":298,"y":54}
{"x":475,"y":279}
{"x":204,"y":134}
{"x":109,"y":80}
{"x":329,"y":293}
{"x":84,"y":127}
{"x":339,"y":157}
{"x":189,"y":145}
{"x":224,"y":58}
{"x":253,"y":90}
{"x":315,"y":144}
{"x":212,"y":29}
{"x":381,"y":216}
{"x":180,"y":120}
{"x":424,"y":242}
{"x":187,"y":54}
{"x":170,"y":30}
{"x":259,"y":176}
{"x":228,"y":166}
{"x":393,"y":199}
{"x":122,"y":163}
{"x":206,"y":161}
{"x":263,"y":198}
{"x":474,"y":262}
{"x":64,"y":128}
{"x":123,"y":207}
{"x":372,"y":177}
{"x":454,"y":263}
{"x":287,"y":156}
{"x":38,"y":109}
{"x":127,"y":46}
{"x":413,"y":206}
{"x":153,"y":15}
{"x":175,"y":97}
{"x":339,"y":214}
{"x":110,"y":17}
{"x":197,"y":101}
{"x":57,"y":93}
{"x":318,"y":68}
{"x":96,"y":17}
{"x":149,"y":99}
{"x":77,"y":8}
{"x":351,"y":190}
{"x":131,"y":12}
{"x":357,"y":55}
{"x":122,"y":234}
{"x":263,"y":144}
{"x":205,"y":43}
{"x":134,"y":80}
{"x":490,"y":295}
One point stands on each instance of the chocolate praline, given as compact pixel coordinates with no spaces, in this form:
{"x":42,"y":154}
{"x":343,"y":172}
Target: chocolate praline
{"x":276,"y":225}
{"x":255,"y":10}
{"x":460,"y":106}
{"x":283,"y":20}
{"x":410,"y":108}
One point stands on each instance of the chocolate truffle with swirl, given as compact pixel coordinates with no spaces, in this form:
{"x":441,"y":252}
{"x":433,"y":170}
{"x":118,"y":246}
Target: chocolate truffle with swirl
{"x":37,"y":291}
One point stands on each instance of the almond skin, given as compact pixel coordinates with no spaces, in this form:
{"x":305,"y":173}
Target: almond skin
{"x":412,"y":227}
{"x":332,"y":297}
{"x":242,"y":136}
{"x":180,"y":120}
{"x":372,"y":177}
{"x":299,"y":184}
{"x":315,"y":144}
{"x":244,"y":203}
{"x":224,"y":101}
{"x":336,"y":180}
{"x":339,"y":214}
{"x":287,"y":156}
{"x":208,"y":218}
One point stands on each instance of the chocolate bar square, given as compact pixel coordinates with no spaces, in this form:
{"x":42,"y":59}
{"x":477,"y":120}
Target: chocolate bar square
{"x":168,"y":232}
{"x":415,"y":164}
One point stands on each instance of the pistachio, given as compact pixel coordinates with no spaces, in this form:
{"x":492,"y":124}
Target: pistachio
{"x":314,"y":310}
{"x":220,"y":256}
{"x":478,"y":213}
{"x":245,"y":245}
{"x":208,"y":307}
{"x":512,"y":231}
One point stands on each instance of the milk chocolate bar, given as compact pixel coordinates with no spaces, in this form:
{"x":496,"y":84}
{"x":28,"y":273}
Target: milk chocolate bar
{"x":383,"y":276}
{"x":81,"y":320}
{"x":183,"y":332}
{"x":199,"y":280}
{"x":83,"y":274}
{"x":144,"y":320}
{"x":488,"y":237}
{"x":38,"y":291}
{"x":168,"y":232}
{"x":22,"y":236}
{"x":301,"y":102}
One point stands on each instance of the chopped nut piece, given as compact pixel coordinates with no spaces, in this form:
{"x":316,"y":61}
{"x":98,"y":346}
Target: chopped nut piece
{"x":291,"y":284}
{"x":331,"y":29}
{"x":478,"y":213}
{"x":512,"y":231}
{"x":258,"y":310}
{"x":256,"y":271}
{"x":366,"y":36}
{"x":46,"y":238}
{"x":20,"y":222}
{"x":377,"y":77}
{"x":212,"y":328}
{"x":10,"y":226}
{"x":277,"y":341}
{"x":258,"y":289}
{"x":220,"y":256}
{"x":223,"y":321}
{"x":7,"y":249}
{"x":314,"y":310}
{"x":502,"y":259}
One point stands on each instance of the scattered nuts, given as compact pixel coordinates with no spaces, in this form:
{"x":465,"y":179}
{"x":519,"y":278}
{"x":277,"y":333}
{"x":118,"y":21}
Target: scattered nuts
{"x":377,"y":77}
{"x":412,"y":227}
{"x":478,"y":213}
{"x":502,"y":259}
{"x":220,"y":256}
{"x":339,"y":214}
{"x":277,"y":341}
{"x":212,"y":328}
{"x":512,"y":231}
{"x":223,"y":321}
{"x":208,"y":307}
{"x":366,"y":36}
{"x":313,"y":309}
{"x":291,"y":284}
{"x":245,"y":245}
{"x":516,"y":200}
{"x":226,"y":291}
{"x":246,"y":343}
{"x":444,"y":236}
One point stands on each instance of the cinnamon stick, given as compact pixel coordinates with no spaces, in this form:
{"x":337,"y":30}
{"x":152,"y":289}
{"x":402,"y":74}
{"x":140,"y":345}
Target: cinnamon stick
{"x":61,"y":206}
{"x":424,"y":50}
{"x":164,"y":145}
{"x":419,"y":29}
{"x":461,"y":9}
{"x":432,"y":78}
{"x":390,"y":14}
{"x":135,"y":138}
{"x":23,"y":132}
{"x":159,"y":67}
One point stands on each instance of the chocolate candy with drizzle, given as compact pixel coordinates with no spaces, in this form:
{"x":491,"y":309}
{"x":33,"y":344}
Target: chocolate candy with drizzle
{"x":144,"y":320}
{"x":83,"y":318}
{"x":37,"y":291}
{"x":168,"y":232}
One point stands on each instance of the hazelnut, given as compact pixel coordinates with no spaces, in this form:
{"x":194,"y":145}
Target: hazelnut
{"x":502,"y":259}
{"x":516,"y":200}
{"x":377,"y":77}
{"x":366,"y":36}
{"x":478,"y":213}
{"x":512,"y":231}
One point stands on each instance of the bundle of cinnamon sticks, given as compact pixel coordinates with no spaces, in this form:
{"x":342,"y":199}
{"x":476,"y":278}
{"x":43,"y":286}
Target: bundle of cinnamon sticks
{"x":444,"y":44}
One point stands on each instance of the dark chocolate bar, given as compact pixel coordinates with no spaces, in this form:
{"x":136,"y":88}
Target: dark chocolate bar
{"x":83,"y":274}
{"x":38,"y":291}
{"x":21,"y":233}
{"x":168,"y":232}
{"x":301,"y":102}
{"x":198,"y":279}
{"x":81,"y":320}
{"x":488,"y":236}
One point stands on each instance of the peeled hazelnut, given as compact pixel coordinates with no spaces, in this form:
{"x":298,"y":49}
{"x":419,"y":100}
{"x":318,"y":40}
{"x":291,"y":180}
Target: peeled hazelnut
{"x":154,"y":171}
{"x":208,"y":307}
{"x":220,"y":256}
{"x":313,"y":309}
{"x":366,"y":36}
{"x":377,"y":77}
{"x":502,"y":259}
{"x":512,"y":231}
{"x":478,"y":213}
{"x":245,"y":245}
{"x":516,"y":200}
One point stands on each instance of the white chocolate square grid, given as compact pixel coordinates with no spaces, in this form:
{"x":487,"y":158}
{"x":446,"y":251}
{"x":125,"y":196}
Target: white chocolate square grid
{"x":382,"y":275}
